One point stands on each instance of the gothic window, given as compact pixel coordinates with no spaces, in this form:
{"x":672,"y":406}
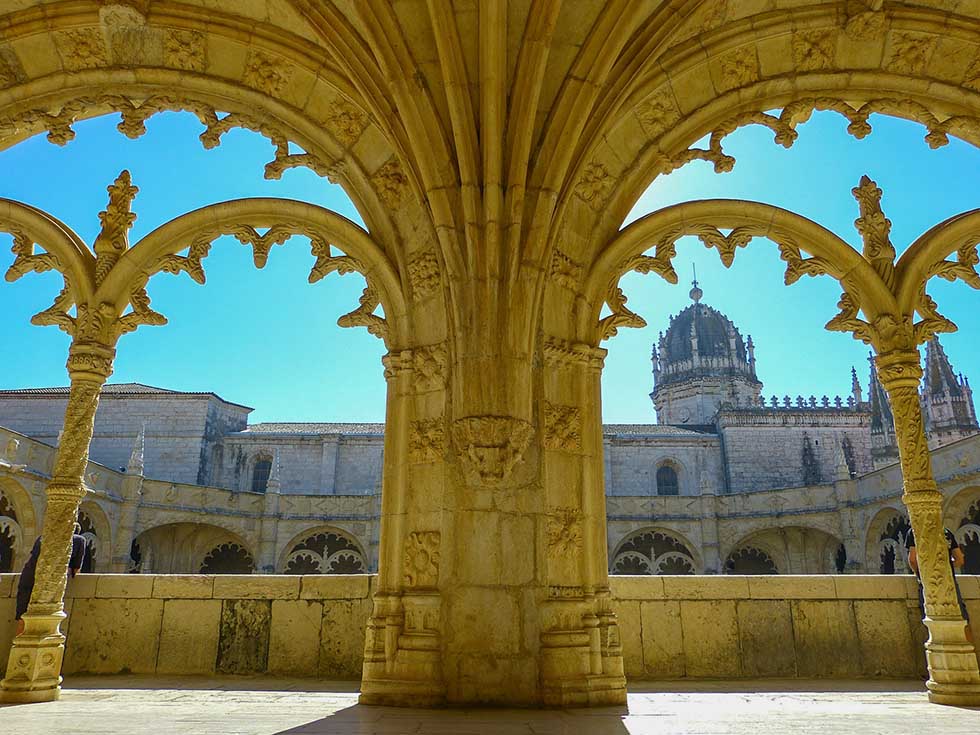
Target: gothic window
{"x":750,"y":561}
{"x":91,"y":542}
{"x":328,"y":552}
{"x":891,"y":543}
{"x":969,"y":536}
{"x":260,"y":474}
{"x":667,"y":481}
{"x":229,"y":558}
{"x":653,"y":552}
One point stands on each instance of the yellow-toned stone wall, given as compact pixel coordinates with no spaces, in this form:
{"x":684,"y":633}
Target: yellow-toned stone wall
{"x":845,"y":626}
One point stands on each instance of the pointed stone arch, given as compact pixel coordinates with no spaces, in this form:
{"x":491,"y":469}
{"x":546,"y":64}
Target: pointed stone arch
{"x":655,"y":550}
{"x":323,"y":549}
{"x":98,"y":536}
{"x":18,"y":517}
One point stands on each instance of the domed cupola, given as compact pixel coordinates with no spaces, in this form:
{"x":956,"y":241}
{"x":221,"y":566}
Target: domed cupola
{"x":700,"y":363}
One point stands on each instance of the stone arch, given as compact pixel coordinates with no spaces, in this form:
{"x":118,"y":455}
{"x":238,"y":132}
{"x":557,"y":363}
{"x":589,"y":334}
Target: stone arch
{"x":270,"y":76}
{"x":745,"y":70}
{"x":963,"y":520}
{"x":182,"y":547}
{"x":957,"y":507}
{"x":98,"y":536}
{"x":18,"y":521}
{"x":323,"y":549}
{"x":750,"y":560}
{"x":885,"y":544}
{"x":228,"y":558}
{"x":655,"y":550}
{"x":794,"y":549}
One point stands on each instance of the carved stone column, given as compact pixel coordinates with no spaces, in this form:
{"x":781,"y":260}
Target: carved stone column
{"x":402,"y":656}
{"x":953,"y":674}
{"x":581,"y":658}
{"x":34,"y":667}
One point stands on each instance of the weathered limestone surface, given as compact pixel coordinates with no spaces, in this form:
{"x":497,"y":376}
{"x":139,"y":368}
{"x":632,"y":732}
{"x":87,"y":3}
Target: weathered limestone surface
{"x":709,"y":627}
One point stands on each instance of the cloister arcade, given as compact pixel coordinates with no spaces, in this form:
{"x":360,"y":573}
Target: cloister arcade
{"x":493,"y":157}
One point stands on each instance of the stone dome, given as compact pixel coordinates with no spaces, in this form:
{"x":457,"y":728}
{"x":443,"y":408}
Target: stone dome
{"x":702,"y":342}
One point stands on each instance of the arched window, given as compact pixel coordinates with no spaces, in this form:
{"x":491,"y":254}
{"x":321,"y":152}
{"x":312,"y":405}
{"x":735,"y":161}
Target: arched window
{"x":260,"y":474}
{"x":667,"y":481}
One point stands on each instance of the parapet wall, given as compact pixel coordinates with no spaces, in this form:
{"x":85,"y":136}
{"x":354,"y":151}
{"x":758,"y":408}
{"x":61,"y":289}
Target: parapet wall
{"x":671,"y":627}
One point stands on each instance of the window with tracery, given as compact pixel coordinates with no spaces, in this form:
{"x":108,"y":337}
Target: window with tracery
{"x":749,"y":560}
{"x":229,"y":558}
{"x":653,"y":552}
{"x":328,"y":552}
{"x":891,"y":546}
{"x":667,"y":483}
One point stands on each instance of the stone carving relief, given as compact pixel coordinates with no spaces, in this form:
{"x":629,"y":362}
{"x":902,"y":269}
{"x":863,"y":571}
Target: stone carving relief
{"x":910,"y":52}
{"x":266,"y":73}
{"x":866,"y":23}
{"x":564,"y":531}
{"x":562,"y":427}
{"x":490,"y":447}
{"x":815,"y":49}
{"x":82,"y":48}
{"x":429,"y":367}
{"x":659,"y":112}
{"x":420,"y":561}
{"x":565,"y":271}
{"x":346,"y":122}
{"x":423,"y":275}
{"x":11,"y":71}
{"x":738,"y":68}
{"x":972,"y":77}
{"x":561,"y":353}
{"x":427,"y":440}
{"x":185,"y":50}
{"x":594,"y":184}
{"x":390,"y":182}
{"x":620,"y":316}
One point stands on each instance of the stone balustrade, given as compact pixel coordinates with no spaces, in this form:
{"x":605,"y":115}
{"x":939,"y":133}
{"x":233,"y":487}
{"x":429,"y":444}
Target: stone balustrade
{"x":846,"y":626}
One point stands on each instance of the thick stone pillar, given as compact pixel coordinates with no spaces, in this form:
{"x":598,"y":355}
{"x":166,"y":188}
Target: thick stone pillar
{"x":953,"y":674}
{"x":34,"y":667}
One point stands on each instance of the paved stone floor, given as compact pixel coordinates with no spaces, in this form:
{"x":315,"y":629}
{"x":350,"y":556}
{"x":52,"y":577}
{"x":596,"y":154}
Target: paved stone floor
{"x":126,"y":705}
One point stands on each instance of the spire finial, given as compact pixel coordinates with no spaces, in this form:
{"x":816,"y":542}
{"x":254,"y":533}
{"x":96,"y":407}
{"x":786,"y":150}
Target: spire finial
{"x":696,"y":293}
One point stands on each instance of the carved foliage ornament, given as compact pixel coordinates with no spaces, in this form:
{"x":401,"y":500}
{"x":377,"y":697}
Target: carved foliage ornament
{"x":562,"y":427}
{"x":59,"y":121}
{"x":564,"y":531}
{"x":785,"y":123}
{"x":420,"y":560}
{"x":427,"y":440}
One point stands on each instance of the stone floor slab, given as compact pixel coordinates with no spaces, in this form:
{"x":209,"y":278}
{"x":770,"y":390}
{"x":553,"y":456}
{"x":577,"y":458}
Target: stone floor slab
{"x":121,"y":705}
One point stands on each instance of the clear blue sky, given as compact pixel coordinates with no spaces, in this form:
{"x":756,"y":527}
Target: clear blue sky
{"x":268,"y":339}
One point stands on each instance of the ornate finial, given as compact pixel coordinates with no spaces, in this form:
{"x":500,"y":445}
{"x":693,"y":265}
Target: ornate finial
{"x":136,"y":464}
{"x":696,"y":293}
{"x":116,"y":220}
{"x":274,"y":483}
{"x":872,"y":224}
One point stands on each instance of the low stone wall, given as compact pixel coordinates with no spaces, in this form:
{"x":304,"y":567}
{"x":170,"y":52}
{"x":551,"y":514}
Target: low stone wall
{"x":671,"y":627}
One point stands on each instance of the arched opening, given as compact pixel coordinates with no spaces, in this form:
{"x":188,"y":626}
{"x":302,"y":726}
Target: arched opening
{"x":892,"y":557}
{"x":750,"y":560}
{"x":9,"y":534}
{"x":91,"y":542}
{"x":968,"y":537}
{"x":650,"y":551}
{"x":191,"y":548}
{"x":228,"y":558}
{"x":326,"y":551}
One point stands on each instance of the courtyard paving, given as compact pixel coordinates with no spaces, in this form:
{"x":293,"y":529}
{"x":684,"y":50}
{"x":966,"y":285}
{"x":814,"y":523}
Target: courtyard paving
{"x":247,"y":706}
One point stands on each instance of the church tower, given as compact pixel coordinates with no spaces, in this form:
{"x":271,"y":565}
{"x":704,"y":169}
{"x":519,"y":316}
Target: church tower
{"x":700,"y":364}
{"x":947,"y":399}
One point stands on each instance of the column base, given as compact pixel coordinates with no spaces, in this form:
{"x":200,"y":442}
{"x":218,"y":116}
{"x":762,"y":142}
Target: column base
{"x":954,"y":677}
{"x":590,"y":691}
{"x":34,"y":666}
{"x":401,"y":693}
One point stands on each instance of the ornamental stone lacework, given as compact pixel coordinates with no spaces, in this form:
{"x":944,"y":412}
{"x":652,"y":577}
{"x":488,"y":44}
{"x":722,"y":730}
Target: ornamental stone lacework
{"x":472,"y":171}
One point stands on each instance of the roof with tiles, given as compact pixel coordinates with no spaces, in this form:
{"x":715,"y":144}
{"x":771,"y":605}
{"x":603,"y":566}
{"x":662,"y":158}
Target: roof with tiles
{"x":120,"y":389}
{"x":299,"y":428}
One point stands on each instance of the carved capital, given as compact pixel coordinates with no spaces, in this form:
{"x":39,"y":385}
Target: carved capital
{"x":90,"y":362}
{"x":490,"y":447}
{"x":899,"y":369}
{"x":560,"y":353}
